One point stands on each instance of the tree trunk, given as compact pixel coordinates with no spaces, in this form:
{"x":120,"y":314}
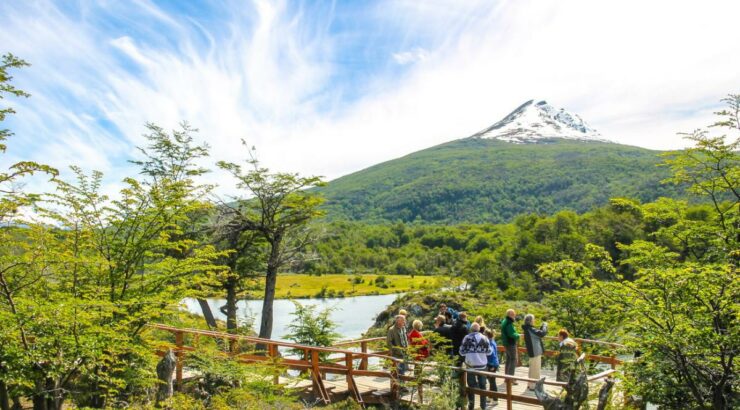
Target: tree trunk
{"x":4,"y":399}
{"x":39,"y":401}
{"x":231,"y":323}
{"x":719,"y":400}
{"x":207,"y":314}
{"x":270,"y":283}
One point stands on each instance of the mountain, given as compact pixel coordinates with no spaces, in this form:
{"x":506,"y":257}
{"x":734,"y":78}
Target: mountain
{"x":538,"y":159}
{"x":532,"y":122}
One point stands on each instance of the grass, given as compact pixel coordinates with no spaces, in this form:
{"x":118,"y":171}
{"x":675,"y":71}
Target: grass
{"x":291,"y":285}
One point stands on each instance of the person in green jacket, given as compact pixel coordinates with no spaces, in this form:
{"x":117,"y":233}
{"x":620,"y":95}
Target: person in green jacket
{"x":509,"y":338}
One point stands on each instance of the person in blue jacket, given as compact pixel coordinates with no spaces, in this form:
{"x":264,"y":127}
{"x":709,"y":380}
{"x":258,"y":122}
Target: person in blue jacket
{"x":493,"y":363}
{"x":449,"y":313}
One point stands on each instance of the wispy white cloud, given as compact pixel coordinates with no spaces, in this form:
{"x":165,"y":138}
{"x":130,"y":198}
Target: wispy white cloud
{"x":329,"y":91}
{"x":412,"y":56}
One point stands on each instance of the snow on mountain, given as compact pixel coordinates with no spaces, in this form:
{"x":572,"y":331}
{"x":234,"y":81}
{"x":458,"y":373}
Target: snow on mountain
{"x":534,"y":121}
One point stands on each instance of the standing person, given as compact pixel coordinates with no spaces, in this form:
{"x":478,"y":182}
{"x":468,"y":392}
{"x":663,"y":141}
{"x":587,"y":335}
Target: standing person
{"x":448,"y":312}
{"x":567,"y":356}
{"x":479,"y":320}
{"x":535,"y":348}
{"x":476,"y":347}
{"x":448,"y":318}
{"x":445,"y":331}
{"x":398,"y":342}
{"x":493,"y":363}
{"x":509,"y":338}
{"x":418,"y":342}
{"x":459,"y":330}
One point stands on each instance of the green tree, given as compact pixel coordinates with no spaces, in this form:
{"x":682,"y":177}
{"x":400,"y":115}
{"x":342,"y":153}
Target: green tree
{"x":683,"y":314}
{"x":80,"y":293}
{"x":244,"y":259}
{"x":279,"y":210}
{"x":21,"y":263}
{"x":312,"y":327}
{"x":565,"y":274}
{"x":711,"y":169}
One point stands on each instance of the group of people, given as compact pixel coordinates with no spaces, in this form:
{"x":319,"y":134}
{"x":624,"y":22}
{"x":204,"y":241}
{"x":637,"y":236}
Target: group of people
{"x":473,"y":344}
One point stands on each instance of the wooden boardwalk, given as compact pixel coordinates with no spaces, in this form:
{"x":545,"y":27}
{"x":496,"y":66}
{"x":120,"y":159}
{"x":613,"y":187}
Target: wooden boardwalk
{"x":379,"y":387}
{"x":328,"y":374}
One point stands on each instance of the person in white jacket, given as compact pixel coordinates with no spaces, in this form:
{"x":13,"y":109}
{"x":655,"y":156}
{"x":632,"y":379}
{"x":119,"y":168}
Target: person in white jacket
{"x":476,"y":348}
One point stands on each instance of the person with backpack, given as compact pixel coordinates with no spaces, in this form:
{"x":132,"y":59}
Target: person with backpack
{"x":459,"y":330}
{"x":567,"y":356}
{"x":449,"y":313}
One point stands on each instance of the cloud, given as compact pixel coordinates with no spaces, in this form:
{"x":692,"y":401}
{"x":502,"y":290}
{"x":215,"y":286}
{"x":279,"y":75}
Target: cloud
{"x":408,"y":57}
{"x":327,"y":89}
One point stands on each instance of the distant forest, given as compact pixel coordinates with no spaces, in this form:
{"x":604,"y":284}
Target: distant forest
{"x":487,"y":181}
{"x":504,"y":257}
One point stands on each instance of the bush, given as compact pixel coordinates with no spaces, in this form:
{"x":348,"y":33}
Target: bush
{"x":312,"y":328}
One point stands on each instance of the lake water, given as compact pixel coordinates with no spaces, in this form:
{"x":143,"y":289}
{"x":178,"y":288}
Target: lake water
{"x":353,"y":315}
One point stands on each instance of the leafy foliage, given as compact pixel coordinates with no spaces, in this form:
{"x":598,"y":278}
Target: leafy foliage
{"x":76,"y":295}
{"x":312,"y":328}
{"x":279,"y":212}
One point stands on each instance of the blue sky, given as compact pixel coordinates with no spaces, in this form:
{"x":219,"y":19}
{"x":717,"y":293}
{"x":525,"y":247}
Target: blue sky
{"x":327,"y":88}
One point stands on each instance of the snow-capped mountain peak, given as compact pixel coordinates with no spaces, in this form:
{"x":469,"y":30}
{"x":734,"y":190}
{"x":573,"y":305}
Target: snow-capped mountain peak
{"x":534,"y":121}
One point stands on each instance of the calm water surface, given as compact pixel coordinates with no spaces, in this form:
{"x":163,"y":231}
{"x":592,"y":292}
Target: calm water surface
{"x":353,"y":315}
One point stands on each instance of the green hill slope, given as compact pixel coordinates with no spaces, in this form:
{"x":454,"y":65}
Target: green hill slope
{"x":481,"y":180}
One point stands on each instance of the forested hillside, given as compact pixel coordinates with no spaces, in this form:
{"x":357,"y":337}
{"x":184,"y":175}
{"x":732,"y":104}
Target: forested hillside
{"x":504,"y":258}
{"x":477,"y":180}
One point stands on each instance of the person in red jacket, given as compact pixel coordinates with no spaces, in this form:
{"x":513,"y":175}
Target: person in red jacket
{"x":419,"y":344}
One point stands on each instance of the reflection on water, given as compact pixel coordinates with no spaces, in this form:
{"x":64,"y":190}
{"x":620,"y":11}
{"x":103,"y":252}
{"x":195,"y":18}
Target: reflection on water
{"x":353,"y":315}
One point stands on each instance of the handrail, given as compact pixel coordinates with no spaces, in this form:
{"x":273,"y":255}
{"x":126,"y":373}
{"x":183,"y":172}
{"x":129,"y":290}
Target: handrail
{"x":576,"y":339}
{"x":312,"y":363}
{"x":591,"y":341}
{"x":258,"y":340}
{"x":610,"y":360}
{"x":358,"y":341}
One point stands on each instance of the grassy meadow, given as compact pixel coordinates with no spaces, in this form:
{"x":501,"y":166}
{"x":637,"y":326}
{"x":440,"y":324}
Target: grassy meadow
{"x":291,"y":285}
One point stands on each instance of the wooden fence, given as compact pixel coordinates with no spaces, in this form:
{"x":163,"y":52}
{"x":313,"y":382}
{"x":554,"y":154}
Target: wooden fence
{"x":339,"y":360}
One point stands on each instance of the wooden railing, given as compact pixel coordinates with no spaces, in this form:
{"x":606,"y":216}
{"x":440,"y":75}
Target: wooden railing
{"x":612,"y":360}
{"x":341,"y":361}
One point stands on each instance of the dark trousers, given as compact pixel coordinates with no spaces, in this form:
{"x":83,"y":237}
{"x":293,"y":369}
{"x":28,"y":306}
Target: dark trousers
{"x":476,"y":381}
{"x":492,"y":380}
{"x":510,"y":368}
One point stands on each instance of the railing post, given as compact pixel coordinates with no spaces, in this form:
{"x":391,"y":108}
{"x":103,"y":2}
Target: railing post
{"x":179,"y":342}
{"x":395,"y":383}
{"x":273,"y":352}
{"x":463,"y":384}
{"x":351,"y":385}
{"x":318,"y":382}
{"x":509,"y":398}
{"x":518,"y":357}
{"x":363,"y":361}
{"x":420,"y":380}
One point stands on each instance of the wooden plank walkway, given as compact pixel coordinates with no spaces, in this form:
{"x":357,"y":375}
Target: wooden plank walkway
{"x":343,"y":372}
{"x":380,"y":387}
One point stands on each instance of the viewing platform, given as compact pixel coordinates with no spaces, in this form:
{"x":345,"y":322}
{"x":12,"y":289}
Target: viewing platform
{"x":355,"y":369}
